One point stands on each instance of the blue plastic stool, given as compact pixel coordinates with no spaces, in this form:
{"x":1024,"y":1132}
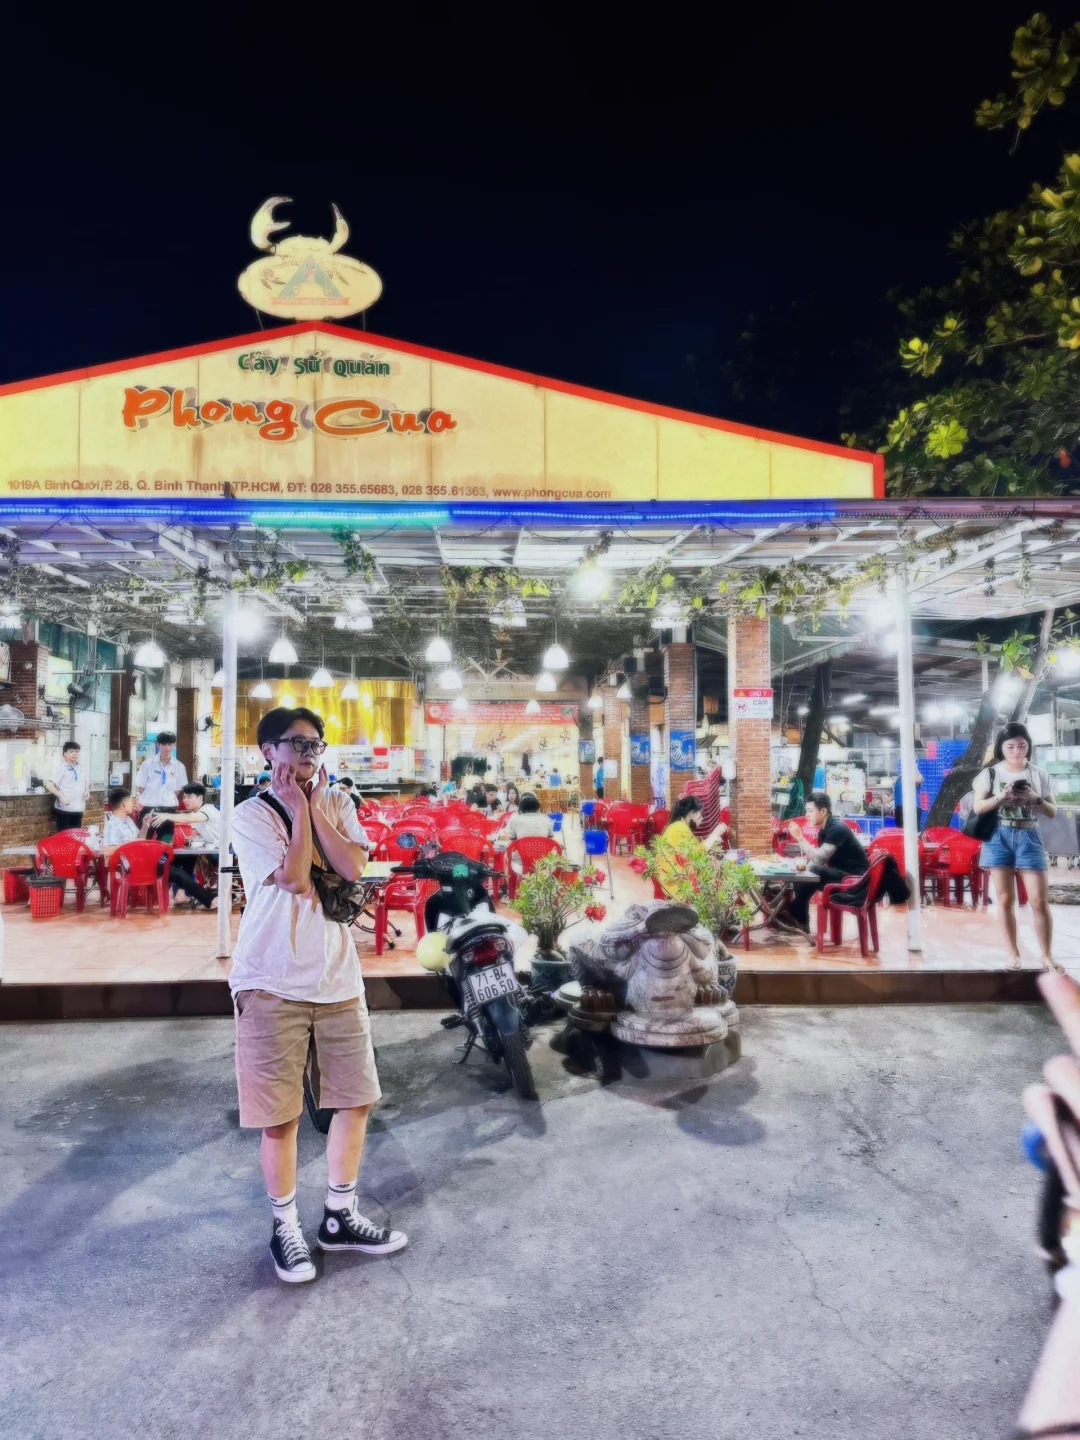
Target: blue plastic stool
{"x":587,"y":808}
{"x":596,"y":844}
{"x":556,"y":821}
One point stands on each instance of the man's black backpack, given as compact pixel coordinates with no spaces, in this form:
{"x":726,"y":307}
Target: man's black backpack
{"x":342,"y":900}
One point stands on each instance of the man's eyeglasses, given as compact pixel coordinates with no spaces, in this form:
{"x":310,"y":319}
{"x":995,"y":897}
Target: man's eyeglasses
{"x":302,"y":745}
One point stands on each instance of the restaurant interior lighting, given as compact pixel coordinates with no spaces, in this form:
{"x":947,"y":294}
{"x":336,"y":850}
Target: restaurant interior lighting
{"x":884,"y":709}
{"x":357,"y":620}
{"x":555,"y":657}
{"x":594,"y":702}
{"x":533,"y":707}
{"x":448,"y":679}
{"x":803,"y":710}
{"x":10,"y":619}
{"x":438,"y":652}
{"x":261,"y":691}
{"x":1068,"y":661}
{"x":350,"y":691}
{"x":365,"y":700}
{"x":931,"y":712}
{"x":282,"y":652}
{"x":288,"y":700}
{"x":953,"y":710}
{"x":624,"y":692}
{"x":853,"y":699}
{"x":321,"y":680}
{"x":590,"y":582}
{"x":839,"y":722}
{"x":546,"y":682}
{"x":151,"y":654}
{"x":459,"y":702}
{"x":890,"y":643}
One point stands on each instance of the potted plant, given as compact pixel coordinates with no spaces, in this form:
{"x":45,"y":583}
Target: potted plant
{"x":723,"y":893}
{"x":549,"y":898}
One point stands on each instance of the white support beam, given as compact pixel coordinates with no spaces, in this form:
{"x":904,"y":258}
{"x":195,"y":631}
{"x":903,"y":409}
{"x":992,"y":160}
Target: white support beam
{"x":228,"y":767}
{"x":975,"y":556}
{"x":909,"y":789}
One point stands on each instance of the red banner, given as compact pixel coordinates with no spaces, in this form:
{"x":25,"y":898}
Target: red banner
{"x":501,"y":712}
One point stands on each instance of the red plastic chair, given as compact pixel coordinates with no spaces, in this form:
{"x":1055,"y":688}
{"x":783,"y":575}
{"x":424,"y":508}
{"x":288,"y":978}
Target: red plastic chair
{"x":404,"y":894}
{"x":889,"y":842}
{"x":659,"y":820}
{"x":625,"y":826}
{"x":68,"y":857}
{"x":955,"y":861}
{"x":831,"y":908}
{"x":529,"y":849}
{"x":389,"y":849}
{"x":375,"y":830}
{"x":852,"y":825}
{"x":140,"y":865}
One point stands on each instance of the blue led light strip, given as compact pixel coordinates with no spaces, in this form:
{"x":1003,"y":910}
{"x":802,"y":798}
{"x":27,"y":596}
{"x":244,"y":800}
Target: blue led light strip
{"x":314,"y":514}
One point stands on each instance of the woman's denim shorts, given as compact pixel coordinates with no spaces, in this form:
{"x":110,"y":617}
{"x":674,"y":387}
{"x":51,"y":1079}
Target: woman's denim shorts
{"x":1014,"y":848}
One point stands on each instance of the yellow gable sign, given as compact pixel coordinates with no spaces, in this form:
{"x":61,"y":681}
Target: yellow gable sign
{"x":319,"y":412}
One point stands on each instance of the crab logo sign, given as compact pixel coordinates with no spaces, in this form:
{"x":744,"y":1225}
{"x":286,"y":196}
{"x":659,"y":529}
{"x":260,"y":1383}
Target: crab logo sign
{"x":305,"y":278}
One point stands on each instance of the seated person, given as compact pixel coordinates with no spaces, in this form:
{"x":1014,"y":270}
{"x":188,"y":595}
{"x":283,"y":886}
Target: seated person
{"x":493,"y":802}
{"x":120,"y":826}
{"x":513,"y":799}
{"x":686,"y":816}
{"x":527,"y":821}
{"x":196,"y":811}
{"x":837,"y":854}
{"x":345,"y":785}
{"x":262,"y":783}
{"x":120,"y":829}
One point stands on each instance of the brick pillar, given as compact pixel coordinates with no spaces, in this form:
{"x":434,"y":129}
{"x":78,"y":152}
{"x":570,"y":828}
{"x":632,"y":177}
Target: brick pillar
{"x":640,"y":774}
{"x":586,"y":782}
{"x":680,"y":715}
{"x":29,"y":672}
{"x":613,"y":728}
{"x":187,"y":703}
{"x":749,"y":663}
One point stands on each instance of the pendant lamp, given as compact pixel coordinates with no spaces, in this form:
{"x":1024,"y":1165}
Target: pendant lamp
{"x":218,"y":682}
{"x":546,"y":683}
{"x":624,"y":692}
{"x":533,"y":707}
{"x":282,"y":652}
{"x":321,"y":680}
{"x":555,"y":657}
{"x":261,"y":691}
{"x":151,"y":655}
{"x":438,"y":652}
{"x":459,"y":702}
{"x":448,"y":680}
{"x":594,"y":702}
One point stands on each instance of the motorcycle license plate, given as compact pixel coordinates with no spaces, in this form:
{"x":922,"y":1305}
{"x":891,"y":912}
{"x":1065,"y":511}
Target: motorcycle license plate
{"x":492,"y":982}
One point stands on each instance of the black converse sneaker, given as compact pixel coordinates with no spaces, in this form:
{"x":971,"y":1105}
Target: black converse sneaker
{"x":349,"y":1230}
{"x":291,"y":1256}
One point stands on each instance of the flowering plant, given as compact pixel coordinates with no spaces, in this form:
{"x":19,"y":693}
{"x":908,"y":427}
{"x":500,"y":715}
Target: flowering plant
{"x":551,"y":897}
{"x":723,"y":893}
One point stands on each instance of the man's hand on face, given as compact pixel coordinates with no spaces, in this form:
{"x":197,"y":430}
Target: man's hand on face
{"x":321,"y":787}
{"x":286,"y":787}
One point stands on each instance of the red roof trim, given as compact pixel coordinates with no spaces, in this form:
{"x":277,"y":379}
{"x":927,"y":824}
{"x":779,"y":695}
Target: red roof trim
{"x":645,"y":407}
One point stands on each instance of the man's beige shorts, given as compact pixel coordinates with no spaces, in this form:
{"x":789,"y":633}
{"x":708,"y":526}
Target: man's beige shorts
{"x":273,"y":1040}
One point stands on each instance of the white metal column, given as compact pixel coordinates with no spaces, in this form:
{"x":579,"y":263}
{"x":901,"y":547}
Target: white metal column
{"x":230,"y":607}
{"x":909,"y":785}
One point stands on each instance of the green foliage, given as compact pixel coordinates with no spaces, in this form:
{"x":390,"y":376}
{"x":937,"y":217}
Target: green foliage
{"x":991,"y":363}
{"x":551,"y":897}
{"x":721,"y":891}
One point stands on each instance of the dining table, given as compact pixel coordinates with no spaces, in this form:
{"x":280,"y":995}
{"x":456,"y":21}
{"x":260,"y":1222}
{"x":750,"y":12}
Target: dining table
{"x":776,"y":883}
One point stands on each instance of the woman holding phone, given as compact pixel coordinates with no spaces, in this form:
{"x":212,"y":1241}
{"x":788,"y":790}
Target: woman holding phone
{"x":1020,"y":793}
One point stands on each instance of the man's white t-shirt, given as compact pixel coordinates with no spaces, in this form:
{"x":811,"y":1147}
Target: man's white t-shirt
{"x":68,"y":780}
{"x":208,"y":829}
{"x":158,"y":783}
{"x":286,"y":945}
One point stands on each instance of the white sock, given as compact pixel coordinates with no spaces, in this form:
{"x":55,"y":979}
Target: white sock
{"x":285,"y":1209}
{"x":340,"y":1197}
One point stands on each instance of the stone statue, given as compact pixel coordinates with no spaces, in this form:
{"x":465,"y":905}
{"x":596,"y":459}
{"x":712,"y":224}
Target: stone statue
{"x":660,"y":970}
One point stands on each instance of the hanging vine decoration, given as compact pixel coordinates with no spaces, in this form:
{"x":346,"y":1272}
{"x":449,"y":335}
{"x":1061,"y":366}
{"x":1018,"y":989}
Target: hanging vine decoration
{"x":357,"y":558}
{"x":269,"y":567}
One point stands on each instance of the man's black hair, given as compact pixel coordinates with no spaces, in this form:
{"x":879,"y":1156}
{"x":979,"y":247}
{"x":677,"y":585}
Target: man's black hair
{"x":117,"y":795}
{"x":346,"y":781}
{"x":194,"y":789}
{"x":70,"y":745}
{"x":1013,"y":731}
{"x":166,"y":737}
{"x":821,"y":799}
{"x":275,"y":722}
{"x":528,"y":804}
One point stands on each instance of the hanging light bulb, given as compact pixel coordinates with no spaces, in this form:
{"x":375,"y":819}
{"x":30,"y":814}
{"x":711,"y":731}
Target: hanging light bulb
{"x":217,"y":683}
{"x":546,"y":682}
{"x":438,"y":652}
{"x":594,"y":702}
{"x":624,"y":692}
{"x":288,"y":700}
{"x":282,"y":652}
{"x":350,"y":691}
{"x":459,"y":702}
{"x":261,"y":691}
{"x":151,"y":655}
{"x":555,"y":657}
{"x":533,"y":707}
{"x":449,"y":679}
{"x":366,"y":700}
{"x":321,"y":680}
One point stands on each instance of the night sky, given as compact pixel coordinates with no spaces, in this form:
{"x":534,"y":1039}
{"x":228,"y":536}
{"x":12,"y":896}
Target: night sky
{"x":601,"y":201}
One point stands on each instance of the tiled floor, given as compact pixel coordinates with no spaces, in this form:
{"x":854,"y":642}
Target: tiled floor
{"x":94,"y":949}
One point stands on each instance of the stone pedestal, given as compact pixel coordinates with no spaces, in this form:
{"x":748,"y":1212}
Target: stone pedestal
{"x":690,"y":1062}
{"x":701,"y":1026}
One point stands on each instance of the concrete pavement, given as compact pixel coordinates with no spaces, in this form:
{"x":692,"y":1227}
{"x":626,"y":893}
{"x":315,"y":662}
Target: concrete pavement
{"x":831,"y":1239}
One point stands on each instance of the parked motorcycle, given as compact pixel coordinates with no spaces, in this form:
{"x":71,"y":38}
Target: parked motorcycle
{"x":479,"y":967}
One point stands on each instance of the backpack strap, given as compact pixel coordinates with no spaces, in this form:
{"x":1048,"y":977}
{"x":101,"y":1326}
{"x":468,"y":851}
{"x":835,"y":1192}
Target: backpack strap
{"x":279,"y":809}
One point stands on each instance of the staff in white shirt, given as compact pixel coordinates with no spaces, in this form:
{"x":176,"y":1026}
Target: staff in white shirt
{"x":70,"y":788}
{"x":161,"y":778}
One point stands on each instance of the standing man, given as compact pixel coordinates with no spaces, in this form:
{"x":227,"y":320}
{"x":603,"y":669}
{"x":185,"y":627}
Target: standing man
{"x":70,"y":787}
{"x":296,"y":984}
{"x":162,"y":777}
